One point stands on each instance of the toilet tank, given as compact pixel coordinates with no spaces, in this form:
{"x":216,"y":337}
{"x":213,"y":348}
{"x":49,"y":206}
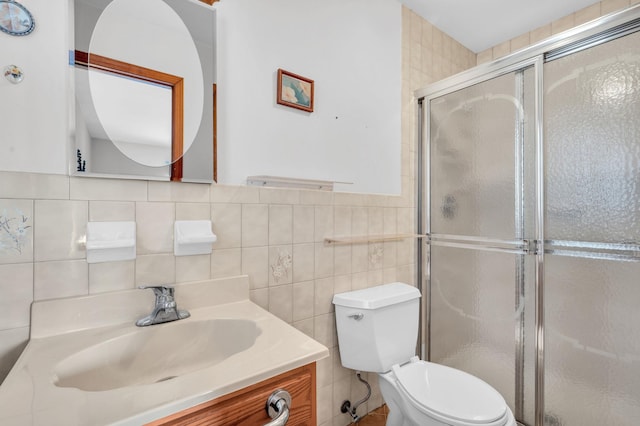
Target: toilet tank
{"x":377,"y":326}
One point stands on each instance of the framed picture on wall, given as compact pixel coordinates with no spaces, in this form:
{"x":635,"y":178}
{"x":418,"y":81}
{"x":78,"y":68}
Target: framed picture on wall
{"x":295,"y":91}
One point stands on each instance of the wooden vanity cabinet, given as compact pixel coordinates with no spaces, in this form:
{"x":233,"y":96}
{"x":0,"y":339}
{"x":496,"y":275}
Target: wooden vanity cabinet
{"x":246,"y":406}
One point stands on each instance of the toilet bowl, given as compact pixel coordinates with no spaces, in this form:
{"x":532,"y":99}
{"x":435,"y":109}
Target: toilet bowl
{"x":428,"y":394}
{"x":377,"y":332}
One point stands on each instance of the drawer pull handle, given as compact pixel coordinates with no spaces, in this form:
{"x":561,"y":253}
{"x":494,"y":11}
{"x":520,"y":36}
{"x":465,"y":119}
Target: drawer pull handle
{"x":278,"y":407}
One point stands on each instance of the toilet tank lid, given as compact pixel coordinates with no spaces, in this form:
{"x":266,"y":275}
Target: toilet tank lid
{"x":377,"y":297}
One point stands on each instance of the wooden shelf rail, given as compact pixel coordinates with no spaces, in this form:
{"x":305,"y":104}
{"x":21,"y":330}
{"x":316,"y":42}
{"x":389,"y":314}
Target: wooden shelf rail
{"x":364,"y":239}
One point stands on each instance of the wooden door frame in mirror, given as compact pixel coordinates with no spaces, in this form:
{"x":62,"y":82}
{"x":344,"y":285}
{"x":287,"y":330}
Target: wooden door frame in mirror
{"x":113,"y":66}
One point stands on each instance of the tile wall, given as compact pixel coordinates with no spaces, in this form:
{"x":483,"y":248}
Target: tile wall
{"x":276,"y":236}
{"x":565,"y":23}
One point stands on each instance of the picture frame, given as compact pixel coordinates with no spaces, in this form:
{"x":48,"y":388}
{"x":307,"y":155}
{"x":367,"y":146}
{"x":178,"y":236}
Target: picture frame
{"x":295,"y":91}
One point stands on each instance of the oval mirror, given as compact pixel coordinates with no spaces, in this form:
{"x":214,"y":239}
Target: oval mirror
{"x":145,"y":81}
{"x":145,"y":90}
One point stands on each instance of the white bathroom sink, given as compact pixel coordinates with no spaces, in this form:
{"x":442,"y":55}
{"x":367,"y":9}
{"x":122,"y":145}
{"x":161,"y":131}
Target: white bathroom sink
{"x":155,"y":354}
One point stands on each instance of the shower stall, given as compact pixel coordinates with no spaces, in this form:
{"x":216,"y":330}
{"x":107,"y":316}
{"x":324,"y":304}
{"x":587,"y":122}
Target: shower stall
{"x":530,"y":204}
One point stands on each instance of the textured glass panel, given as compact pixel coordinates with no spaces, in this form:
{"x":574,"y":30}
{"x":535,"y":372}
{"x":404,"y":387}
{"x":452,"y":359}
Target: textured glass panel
{"x":475,"y":311}
{"x":592,"y":143}
{"x":476,"y":141}
{"x":592,"y":342}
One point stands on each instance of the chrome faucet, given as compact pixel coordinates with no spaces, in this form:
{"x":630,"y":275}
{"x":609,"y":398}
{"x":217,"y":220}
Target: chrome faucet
{"x":165,"y":309}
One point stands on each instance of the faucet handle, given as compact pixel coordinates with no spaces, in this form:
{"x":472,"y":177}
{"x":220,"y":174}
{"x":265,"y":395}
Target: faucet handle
{"x":159,"y":290}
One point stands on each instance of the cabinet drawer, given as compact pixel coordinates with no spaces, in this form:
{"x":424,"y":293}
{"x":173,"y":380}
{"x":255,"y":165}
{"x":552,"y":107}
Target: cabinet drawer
{"x":246,"y":406}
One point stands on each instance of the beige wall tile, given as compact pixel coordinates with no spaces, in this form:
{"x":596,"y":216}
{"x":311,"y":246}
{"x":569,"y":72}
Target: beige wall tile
{"x":359,"y":258}
{"x":12,"y":343}
{"x":193,"y":211}
{"x":112,"y":276}
{"x":324,"y":371}
{"x":562,"y":24}
{"x":540,"y":34}
{"x":406,"y":251}
{"x":323,"y":296}
{"x":520,"y":42}
{"x":502,"y":49}
{"x":155,"y":269}
{"x":375,"y":277}
{"x":342,"y":259}
{"x":178,"y":192}
{"x":260,"y":297}
{"x":107,"y":211}
{"x":317,"y":198}
{"x":280,"y":224}
{"x":154,"y":227}
{"x":587,"y":14}
{"x":193,"y":268}
{"x":376,"y":221}
{"x":255,"y":263}
{"x":303,"y":224}
{"x":390,"y":253}
{"x":359,"y":281}
{"x":16,"y":288}
{"x":389,"y":275}
{"x":376,"y":255}
{"x":359,"y":221}
{"x":281,"y":302}
{"x":390,"y":221}
{"x":82,"y":188}
{"x":279,"y":196}
{"x":59,"y":229}
{"x":323,"y":220}
{"x":608,"y":6}
{"x":52,"y":280}
{"x":303,"y":300}
{"x":34,"y":185}
{"x":324,"y":329}
{"x":234,"y":194}
{"x":341,"y":392}
{"x":323,"y":265}
{"x":305,"y":326}
{"x":280,"y":265}
{"x":485,"y":56}
{"x":303,"y":262}
{"x":226,"y":222}
{"x":226,"y":263}
{"x":342,"y":221}
{"x":16,"y":231}
{"x":324,"y":397}
{"x":255,"y":225}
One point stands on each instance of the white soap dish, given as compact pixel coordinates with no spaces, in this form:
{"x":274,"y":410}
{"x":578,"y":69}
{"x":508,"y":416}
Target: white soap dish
{"x":192,"y":237}
{"x":111,"y":241}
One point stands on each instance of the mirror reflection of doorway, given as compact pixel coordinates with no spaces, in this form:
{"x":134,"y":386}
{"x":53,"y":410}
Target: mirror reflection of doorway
{"x":150,"y":133}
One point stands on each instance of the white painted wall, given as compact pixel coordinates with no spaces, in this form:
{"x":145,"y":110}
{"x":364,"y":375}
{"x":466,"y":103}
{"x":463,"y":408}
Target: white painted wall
{"x":352,"y":50}
{"x":33,"y":122}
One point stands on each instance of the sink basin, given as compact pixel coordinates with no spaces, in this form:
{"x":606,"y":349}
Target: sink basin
{"x":155,"y":354}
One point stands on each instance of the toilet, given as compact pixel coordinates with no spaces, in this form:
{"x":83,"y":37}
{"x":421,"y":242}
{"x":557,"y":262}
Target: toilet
{"x":378,"y":331}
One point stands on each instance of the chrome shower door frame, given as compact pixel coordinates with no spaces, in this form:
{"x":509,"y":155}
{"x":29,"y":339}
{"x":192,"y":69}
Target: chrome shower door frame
{"x":579,"y":38}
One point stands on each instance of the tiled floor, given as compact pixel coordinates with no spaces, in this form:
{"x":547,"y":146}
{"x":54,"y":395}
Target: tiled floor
{"x":377,"y":417}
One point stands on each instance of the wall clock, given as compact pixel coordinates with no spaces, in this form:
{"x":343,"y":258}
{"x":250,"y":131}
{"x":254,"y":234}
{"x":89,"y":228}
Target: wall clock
{"x":15,"y":19}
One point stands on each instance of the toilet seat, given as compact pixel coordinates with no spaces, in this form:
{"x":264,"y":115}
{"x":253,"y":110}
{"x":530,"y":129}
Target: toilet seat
{"x":449,"y":395}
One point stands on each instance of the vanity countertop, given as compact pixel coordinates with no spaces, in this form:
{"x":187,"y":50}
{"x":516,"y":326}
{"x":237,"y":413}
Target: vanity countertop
{"x":62,"y":328}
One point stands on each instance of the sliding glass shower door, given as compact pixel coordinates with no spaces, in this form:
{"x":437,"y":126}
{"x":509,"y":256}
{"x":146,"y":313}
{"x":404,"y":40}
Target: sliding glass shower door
{"x":481,"y":196}
{"x":531,"y":208}
{"x":592,"y":231}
